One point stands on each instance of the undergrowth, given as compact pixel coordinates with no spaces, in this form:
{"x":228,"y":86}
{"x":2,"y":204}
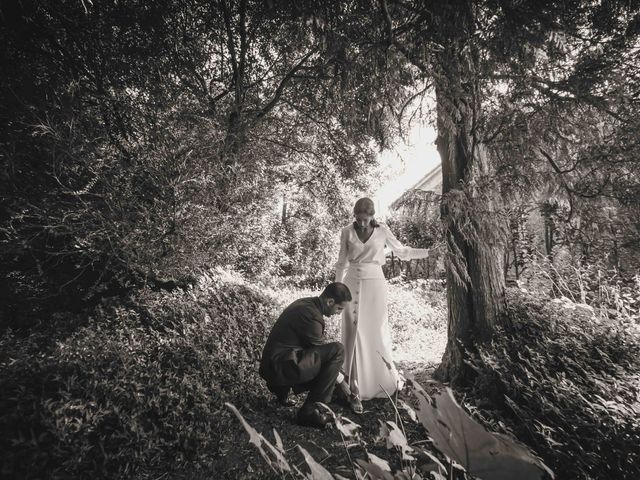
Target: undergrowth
{"x":566,"y":381}
{"x":135,"y":391}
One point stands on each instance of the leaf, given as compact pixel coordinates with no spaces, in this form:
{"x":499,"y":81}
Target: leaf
{"x":279,"y":443}
{"x":416,"y":386}
{"x":373,"y":471}
{"x":410,"y":411}
{"x":487,"y":455}
{"x":254,"y":436}
{"x":280,"y":464}
{"x":383,"y":433}
{"x":436,"y":462}
{"x":343,"y":424}
{"x":318,"y":472}
{"x":346,"y":426}
{"x":394,"y":438}
{"x":380,"y":462}
{"x":437,"y":476}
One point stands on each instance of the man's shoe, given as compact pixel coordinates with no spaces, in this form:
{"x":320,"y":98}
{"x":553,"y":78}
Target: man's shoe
{"x":313,"y":416}
{"x":286,"y":401}
{"x":282,"y":395}
{"x":342,"y":394}
{"x":356,"y":404}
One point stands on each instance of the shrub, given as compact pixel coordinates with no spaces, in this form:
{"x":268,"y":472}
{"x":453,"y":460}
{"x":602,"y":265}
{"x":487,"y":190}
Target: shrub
{"x":566,"y":383}
{"x":596,"y":286}
{"x":138,"y":389}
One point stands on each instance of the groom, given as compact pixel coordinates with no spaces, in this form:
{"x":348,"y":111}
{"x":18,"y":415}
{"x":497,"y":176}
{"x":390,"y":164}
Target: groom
{"x":296,"y":357}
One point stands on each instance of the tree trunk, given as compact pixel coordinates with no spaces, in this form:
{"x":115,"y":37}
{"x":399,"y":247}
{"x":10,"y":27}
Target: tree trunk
{"x":475,"y":240}
{"x":237,"y":47}
{"x":284,"y":209}
{"x":515,"y":256}
{"x":549,"y":243}
{"x":506,"y":265}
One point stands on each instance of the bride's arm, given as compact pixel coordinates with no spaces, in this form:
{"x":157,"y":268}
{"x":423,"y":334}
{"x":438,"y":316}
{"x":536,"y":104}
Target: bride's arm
{"x":343,"y":256}
{"x":404,"y":253}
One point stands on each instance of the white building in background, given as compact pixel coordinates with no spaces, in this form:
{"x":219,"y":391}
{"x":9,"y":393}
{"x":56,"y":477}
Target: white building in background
{"x":431,"y":182}
{"x":411,"y":159}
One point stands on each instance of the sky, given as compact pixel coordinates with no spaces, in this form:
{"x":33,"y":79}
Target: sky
{"x":405,"y":165}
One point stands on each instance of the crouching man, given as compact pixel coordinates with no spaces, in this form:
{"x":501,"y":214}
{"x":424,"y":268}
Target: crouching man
{"x":296,"y":357}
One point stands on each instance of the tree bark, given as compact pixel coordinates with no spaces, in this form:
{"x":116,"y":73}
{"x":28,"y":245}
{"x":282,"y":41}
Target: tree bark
{"x":514,"y":243}
{"x":474,"y":264}
{"x":548,"y":210}
{"x":506,"y":264}
{"x":284,"y":209}
{"x":234,"y":136}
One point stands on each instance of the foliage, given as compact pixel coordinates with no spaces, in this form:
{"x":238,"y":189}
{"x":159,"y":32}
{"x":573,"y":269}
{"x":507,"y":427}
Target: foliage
{"x":594,"y":231}
{"x":592,"y":286}
{"x":309,"y":236}
{"x":521,"y":243}
{"x":143,"y":142}
{"x":564,"y":381}
{"x":415,"y":221}
{"x":572,"y":156}
{"x":481,"y":453}
{"x":465,"y":444}
{"x":541,"y":92}
{"x":137,"y":389}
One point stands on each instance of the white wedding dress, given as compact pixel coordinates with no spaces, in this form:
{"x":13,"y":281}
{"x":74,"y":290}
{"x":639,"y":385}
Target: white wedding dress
{"x":365,"y":327}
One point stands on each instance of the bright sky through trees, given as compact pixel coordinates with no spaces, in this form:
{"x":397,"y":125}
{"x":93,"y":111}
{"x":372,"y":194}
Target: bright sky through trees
{"x":405,"y":164}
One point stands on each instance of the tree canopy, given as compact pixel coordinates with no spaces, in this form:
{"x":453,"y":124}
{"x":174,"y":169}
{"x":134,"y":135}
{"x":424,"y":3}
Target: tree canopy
{"x":143,"y":140}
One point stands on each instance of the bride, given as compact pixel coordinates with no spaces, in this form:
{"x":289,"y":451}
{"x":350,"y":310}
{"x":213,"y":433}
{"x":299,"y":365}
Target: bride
{"x":365,"y":329}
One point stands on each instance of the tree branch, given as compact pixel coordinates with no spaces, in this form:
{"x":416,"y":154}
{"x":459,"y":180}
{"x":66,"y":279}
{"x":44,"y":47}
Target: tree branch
{"x":281,"y":87}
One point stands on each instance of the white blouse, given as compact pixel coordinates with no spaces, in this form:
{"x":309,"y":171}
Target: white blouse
{"x":353,"y":251}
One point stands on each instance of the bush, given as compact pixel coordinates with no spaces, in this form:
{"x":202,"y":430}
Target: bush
{"x":136,"y":390}
{"x":594,"y":285}
{"x":566,"y":383}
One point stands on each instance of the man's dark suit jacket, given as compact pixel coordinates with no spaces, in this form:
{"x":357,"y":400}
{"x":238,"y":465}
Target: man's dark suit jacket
{"x":288,"y":357}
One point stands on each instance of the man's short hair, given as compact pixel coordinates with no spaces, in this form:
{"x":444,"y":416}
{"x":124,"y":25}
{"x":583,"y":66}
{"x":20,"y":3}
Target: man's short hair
{"x":338,"y":291}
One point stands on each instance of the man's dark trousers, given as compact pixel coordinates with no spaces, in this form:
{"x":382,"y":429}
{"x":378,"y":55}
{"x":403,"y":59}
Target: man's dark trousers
{"x":295,"y":369}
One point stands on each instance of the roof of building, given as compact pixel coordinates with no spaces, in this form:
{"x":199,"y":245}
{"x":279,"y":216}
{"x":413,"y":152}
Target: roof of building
{"x":432,"y":181}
